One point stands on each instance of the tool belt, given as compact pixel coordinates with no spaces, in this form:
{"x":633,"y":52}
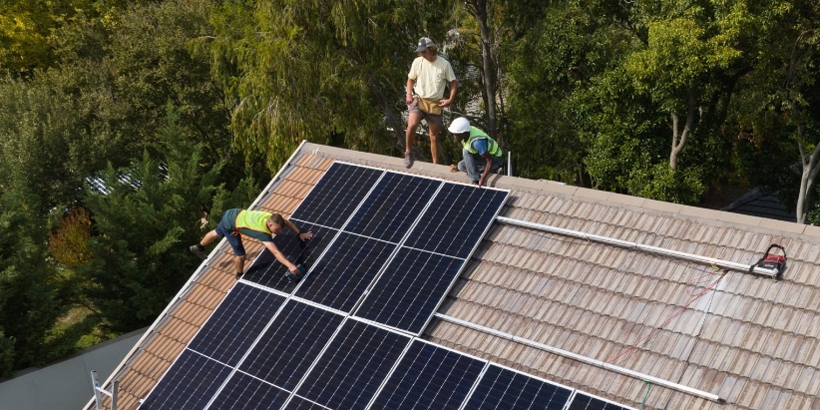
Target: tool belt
{"x":429,"y":106}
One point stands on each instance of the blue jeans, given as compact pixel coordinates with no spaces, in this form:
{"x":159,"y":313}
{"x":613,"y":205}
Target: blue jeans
{"x":473,"y":164}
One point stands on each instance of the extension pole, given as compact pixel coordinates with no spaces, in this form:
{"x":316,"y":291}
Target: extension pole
{"x":734,"y":266}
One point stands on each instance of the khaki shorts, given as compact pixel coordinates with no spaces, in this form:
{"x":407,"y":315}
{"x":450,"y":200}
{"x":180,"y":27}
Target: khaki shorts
{"x":414,"y":108}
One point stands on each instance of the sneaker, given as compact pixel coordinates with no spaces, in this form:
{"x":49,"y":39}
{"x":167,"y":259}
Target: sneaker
{"x":408,"y":159}
{"x":198,"y":252}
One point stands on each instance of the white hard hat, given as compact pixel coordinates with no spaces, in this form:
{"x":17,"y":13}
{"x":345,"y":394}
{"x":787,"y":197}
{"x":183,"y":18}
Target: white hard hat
{"x":459,"y":125}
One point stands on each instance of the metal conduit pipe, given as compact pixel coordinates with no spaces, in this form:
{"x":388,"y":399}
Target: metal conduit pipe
{"x":585,"y":359}
{"x":645,"y":248}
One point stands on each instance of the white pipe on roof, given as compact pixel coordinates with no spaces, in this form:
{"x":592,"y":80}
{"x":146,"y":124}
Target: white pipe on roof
{"x":645,"y":248}
{"x":585,"y":359}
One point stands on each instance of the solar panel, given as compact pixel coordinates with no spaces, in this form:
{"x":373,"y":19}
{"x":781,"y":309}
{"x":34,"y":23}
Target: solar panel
{"x":244,"y":392}
{"x":429,"y":377}
{"x":395,"y":203}
{"x":267,"y":271}
{"x":289,"y":346}
{"x":356,"y":362}
{"x":456,"y":220}
{"x":188,"y":384}
{"x":410,"y":289}
{"x":342,"y":276}
{"x":501,"y":388}
{"x":236,"y":323}
{"x":337,"y":194}
{"x":298,"y":403}
{"x":391,"y":244}
{"x":583,"y":401}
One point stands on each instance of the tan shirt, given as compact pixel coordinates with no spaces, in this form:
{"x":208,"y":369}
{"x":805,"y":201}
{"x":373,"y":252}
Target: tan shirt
{"x":431,"y":78}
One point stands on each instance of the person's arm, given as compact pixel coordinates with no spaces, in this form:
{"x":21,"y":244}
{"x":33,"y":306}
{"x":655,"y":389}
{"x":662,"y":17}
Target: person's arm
{"x":281,"y":257}
{"x":303,"y":236}
{"x":453,"y":88}
{"x":408,"y":95}
{"x":487,"y":166}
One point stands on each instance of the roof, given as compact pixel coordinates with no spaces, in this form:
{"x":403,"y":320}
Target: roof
{"x":751,"y":340}
{"x":763,"y":204}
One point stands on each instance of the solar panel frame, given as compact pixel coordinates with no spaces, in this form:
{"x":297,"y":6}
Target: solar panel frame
{"x":483,"y":392}
{"x":394,"y":281}
{"x":213,"y":345}
{"x":396,"y":382}
{"x":268,"y":272}
{"x":176,"y":388}
{"x":585,"y":401}
{"x":348,"y":371}
{"x":337,"y":280}
{"x":263,"y":364}
{"x":335,"y":173}
{"x":434,"y":236}
{"x":255,"y":394}
{"x":402,"y":196}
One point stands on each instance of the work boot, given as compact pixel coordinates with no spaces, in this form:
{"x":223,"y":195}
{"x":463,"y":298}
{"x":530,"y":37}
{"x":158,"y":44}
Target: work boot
{"x":408,"y":159}
{"x":198,"y":250}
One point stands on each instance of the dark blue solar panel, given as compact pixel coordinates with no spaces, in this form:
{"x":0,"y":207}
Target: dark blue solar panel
{"x":429,"y":377}
{"x":298,"y":403}
{"x":337,"y":194}
{"x":236,"y":323}
{"x":393,"y":206}
{"x":456,"y":219}
{"x":267,"y":271}
{"x":349,"y":373}
{"x":244,"y":392}
{"x":290,"y":345}
{"x":342,"y":276}
{"x":505,"y":389}
{"x":582,"y":401}
{"x":189,"y":383}
{"x":410,"y":289}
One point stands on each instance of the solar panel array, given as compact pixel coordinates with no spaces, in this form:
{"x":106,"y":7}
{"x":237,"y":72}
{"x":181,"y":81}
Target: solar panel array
{"x":387,"y":248}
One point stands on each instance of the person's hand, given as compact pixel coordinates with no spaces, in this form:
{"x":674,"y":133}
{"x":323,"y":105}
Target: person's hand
{"x":305,"y":235}
{"x":453,"y":168}
{"x":480,"y":182}
{"x":294,"y":270}
{"x":408,"y":98}
{"x":444,"y":103}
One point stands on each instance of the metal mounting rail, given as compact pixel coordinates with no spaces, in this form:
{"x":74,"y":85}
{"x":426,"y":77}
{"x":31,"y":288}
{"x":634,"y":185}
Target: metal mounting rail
{"x":734,"y":266}
{"x":584,"y":359}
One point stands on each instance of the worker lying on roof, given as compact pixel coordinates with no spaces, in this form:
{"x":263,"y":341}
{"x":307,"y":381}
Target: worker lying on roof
{"x":481,"y":153}
{"x":256,"y":224}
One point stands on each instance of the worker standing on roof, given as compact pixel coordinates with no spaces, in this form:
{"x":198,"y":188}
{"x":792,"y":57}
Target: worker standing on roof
{"x":480,"y":152}
{"x":255,"y":224}
{"x":426,"y":81}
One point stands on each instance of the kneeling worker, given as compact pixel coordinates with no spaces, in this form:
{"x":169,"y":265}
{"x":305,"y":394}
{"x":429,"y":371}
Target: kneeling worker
{"x":481,"y":153}
{"x":256,"y":224}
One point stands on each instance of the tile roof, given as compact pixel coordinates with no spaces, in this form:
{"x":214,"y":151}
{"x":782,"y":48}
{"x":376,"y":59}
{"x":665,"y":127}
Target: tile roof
{"x":751,"y":340}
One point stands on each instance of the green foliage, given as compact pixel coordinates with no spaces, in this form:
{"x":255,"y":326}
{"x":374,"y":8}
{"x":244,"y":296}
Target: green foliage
{"x":145,"y":221}
{"x":663,"y":184}
{"x":311,"y":70}
{"x":30,"y":297}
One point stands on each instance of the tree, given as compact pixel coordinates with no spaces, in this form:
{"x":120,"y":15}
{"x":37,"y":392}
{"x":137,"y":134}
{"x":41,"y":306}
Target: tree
{"x":144,"y":222}
{"x":776,"y":113}
{"x":31,"y":300}
{"x":327,"y":72}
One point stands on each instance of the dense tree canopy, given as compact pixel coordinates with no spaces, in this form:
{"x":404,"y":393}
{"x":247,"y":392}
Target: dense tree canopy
{"x":201,"y":100}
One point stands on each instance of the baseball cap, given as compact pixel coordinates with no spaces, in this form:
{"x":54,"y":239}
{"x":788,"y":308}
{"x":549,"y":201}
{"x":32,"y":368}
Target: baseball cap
{"x":425,"y":43}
